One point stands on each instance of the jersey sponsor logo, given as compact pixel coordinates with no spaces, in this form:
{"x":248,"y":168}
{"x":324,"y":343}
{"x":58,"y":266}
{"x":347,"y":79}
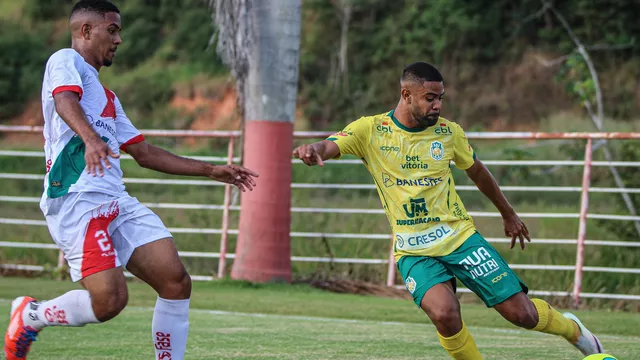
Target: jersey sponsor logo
{"x":389,"y":148}
{"x":480,"y":264}
{"x":443,"y":130}
{"x":387,"y":181}
{"x":103,"y":125}
{"x":384,"y":128}
{"x":410,"y":284}
{"x":416,"y":207}
{"x":423,"y":239}
{"x":424,"y":181}
{"x":437,"y":150}
{"x":418,"y":221}
{"x":413,"y":163}
{"x":457,"y":212}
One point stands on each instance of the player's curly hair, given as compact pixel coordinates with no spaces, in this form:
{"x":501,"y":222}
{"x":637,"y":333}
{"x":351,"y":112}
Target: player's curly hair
{"x":95,"y":6}
{"x":420,"y":72}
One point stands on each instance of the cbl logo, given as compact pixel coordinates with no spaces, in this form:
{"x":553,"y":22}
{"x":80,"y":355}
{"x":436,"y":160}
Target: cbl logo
{"x":443,"y":130}
{"x":384,"y":128}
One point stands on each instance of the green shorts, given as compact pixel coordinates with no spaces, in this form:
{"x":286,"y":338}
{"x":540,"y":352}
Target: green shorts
{"x":476,"y":263}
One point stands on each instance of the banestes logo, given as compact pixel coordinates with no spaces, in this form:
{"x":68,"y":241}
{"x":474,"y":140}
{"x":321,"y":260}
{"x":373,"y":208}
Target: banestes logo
{"x":387,"y":181}
{"x":424,"y":182}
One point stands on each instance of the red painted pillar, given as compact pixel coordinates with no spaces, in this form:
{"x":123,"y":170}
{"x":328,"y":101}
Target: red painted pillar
{"x":263,"y":251}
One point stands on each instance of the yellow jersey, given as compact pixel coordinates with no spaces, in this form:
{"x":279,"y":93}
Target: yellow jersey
{"x":411,"y":170}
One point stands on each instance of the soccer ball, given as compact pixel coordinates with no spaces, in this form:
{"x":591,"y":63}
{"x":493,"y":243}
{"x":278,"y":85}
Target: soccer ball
{"x":600,"y":357}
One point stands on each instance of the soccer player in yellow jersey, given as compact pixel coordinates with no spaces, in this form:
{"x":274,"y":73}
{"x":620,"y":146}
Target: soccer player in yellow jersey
{"x":408,"y":151}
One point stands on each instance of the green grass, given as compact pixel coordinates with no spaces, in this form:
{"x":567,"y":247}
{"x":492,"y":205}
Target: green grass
{"x":303,"y":323}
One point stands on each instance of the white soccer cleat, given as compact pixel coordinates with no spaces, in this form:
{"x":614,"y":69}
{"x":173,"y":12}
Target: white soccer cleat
{"x":588,"y":344}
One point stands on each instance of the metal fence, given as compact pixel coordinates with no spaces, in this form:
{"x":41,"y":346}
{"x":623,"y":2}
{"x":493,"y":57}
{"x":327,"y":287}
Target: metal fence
{"x":226,"y":206}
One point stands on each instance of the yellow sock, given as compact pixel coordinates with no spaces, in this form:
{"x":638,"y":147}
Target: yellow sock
{"x":552,"y":322}
{"x":461,"y":345}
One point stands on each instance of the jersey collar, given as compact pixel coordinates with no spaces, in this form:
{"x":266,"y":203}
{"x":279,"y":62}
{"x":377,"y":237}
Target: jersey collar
{"x":399,"y":124}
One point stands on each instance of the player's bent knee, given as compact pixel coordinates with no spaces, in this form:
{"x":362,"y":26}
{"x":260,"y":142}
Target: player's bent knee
{"x":109,"y":305}
{"x":523,"y":317}
{"x":446,"y":318}
{"x":177,"y":287}
{"x":108,"y":291}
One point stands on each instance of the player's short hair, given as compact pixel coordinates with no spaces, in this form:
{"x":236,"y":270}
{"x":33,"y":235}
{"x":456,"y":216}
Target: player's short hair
{"x":100,"y":7}
{"x":420,"y":72}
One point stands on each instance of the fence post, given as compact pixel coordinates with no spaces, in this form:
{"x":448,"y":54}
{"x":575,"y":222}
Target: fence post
{"x":391,"y":269}
{"x":582,"y":227}
{"x":225,"y":215}
{"x":61,"y":260}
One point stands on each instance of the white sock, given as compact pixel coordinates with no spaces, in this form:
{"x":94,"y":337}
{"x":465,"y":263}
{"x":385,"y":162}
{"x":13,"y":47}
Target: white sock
{"x":170,"y":328}
{"x":70,"y":309}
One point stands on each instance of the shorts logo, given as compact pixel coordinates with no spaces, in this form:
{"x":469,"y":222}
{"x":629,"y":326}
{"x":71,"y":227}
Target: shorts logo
{"x":437,"y":150}
{"x":410,"y":284}
{"x":499,"y":277}
{"x":480,"y":264}
{"x":400,"y":241}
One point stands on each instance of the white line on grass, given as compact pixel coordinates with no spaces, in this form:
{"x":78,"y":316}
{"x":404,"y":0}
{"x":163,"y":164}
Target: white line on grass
{"x":352,"y":321}
{"x":370,"y":322}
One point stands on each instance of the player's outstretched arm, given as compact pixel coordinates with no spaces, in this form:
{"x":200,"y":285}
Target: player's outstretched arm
{"x":486,"y":183}
{"x":69,"y":109}
{"x":316,"y":153}
{"x":155,"y":158}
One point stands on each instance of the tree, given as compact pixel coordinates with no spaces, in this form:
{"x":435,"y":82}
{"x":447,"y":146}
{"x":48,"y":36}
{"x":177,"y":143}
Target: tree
{"x":259,"y":40}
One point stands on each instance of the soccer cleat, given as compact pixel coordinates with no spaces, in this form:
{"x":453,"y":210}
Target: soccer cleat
{"x":19,"y":336}
{"x":587,"y":343}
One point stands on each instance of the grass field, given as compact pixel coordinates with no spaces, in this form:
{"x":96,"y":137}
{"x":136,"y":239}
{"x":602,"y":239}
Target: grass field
{"x":237,"y":320}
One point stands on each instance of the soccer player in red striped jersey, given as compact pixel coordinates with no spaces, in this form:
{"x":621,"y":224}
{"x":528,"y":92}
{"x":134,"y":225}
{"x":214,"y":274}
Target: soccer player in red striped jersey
{"x":94,"y":221}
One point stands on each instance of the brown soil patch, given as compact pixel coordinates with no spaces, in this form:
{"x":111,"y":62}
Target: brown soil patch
{"x":359,"y":287}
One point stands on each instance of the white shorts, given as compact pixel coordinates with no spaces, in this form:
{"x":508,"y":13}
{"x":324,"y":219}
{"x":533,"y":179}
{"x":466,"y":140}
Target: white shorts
{"x":97,"y":232}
